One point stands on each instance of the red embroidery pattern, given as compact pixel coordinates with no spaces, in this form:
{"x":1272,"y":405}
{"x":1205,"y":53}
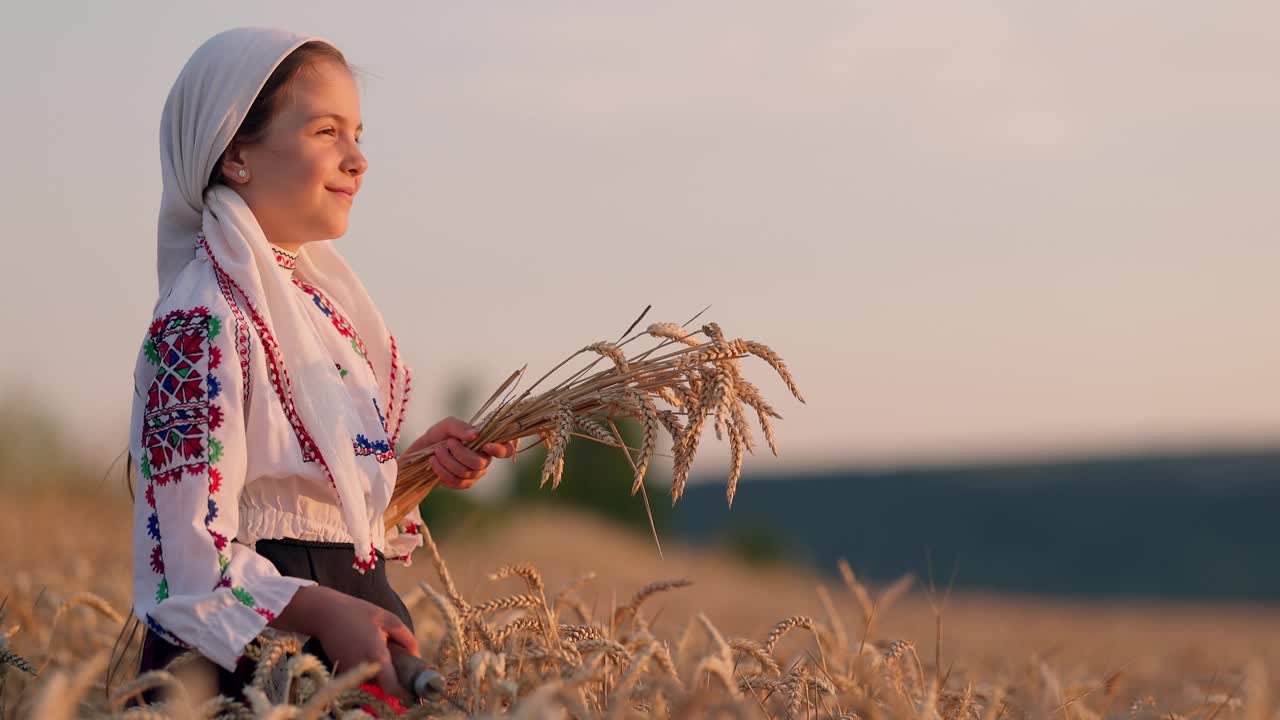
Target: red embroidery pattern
{"x":283,"y":259}
{"x":343,"y":326}
{"x":279,"y":378}
{"x":392,"y":701}
{"x":177,"y":420}
{"x":391,"y":401}
{"x":242,"y":330}
{"x":404,"y":399}
{"x":404,"y":402}
{"x":381,"y":451}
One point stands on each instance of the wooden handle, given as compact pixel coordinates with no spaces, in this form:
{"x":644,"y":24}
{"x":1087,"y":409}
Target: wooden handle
{"x":415,"y":677}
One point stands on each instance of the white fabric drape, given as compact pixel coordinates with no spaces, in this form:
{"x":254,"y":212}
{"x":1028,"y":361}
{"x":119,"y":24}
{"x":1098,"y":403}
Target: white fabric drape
{"x":205,"y":107}
{"x":221,"y":466}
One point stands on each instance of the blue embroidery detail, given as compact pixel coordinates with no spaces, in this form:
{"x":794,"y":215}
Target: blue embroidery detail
{"x":315,"y":298}
{"x":159,"y":630}
{"x":381,"y":449}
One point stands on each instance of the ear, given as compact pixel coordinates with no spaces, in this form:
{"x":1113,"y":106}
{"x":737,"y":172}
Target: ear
{"x":233,"y":161}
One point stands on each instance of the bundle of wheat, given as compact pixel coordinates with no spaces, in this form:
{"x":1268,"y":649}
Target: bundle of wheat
{"x":700,"y":380}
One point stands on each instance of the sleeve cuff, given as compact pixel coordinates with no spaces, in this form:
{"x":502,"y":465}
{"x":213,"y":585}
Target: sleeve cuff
{"x":401,"y":542}
{"x":221,"y":625}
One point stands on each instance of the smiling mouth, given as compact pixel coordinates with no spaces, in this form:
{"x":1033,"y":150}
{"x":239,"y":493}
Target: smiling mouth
{"x":342,"y":194}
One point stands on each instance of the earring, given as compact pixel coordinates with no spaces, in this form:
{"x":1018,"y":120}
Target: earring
{"x":243,"y":174}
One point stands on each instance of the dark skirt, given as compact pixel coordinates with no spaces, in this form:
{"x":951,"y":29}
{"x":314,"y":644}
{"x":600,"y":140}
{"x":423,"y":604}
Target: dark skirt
{"x":327,"y":563}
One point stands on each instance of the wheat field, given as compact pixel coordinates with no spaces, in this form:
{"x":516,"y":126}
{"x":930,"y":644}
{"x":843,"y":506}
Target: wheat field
{"x":557,"y":615}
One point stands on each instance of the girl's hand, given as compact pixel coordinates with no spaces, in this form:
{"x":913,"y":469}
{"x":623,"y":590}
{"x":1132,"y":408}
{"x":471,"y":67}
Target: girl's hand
{"x":350,"y":630}
{"x":458,"y":466}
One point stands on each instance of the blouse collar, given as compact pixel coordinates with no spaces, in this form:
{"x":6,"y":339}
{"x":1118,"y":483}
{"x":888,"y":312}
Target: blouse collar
{"x":285,"y":260}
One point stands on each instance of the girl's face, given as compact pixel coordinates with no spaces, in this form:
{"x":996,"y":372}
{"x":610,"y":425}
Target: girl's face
{"x":309,"y":157}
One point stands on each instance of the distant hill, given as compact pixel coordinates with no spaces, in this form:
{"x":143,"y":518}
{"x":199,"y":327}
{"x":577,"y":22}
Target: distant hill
{"x":1176,"y":526}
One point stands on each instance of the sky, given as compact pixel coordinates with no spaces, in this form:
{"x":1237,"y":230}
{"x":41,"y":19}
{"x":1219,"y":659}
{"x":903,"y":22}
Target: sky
{"x":973,"y":229}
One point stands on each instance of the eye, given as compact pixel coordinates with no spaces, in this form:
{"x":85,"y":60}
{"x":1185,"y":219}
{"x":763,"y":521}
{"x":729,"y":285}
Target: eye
{"x":332,"y":130}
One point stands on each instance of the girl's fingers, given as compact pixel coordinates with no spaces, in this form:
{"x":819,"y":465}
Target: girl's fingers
{"x":400,"y":634}
{"x":466,"y":455}
{"x":446,"y":478}
{"x":454,"y":427}
{"x":455,"y":468}
{"x":499,"y":450}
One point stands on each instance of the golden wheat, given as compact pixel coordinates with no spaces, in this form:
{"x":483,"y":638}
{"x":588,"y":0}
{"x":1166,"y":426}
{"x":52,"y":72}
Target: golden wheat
{"x":595,"y":671}
{"x":532,"y":657}
{"x":702,"y":380}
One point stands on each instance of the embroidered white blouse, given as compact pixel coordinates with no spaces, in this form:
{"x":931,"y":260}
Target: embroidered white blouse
{"x":219,"y":466}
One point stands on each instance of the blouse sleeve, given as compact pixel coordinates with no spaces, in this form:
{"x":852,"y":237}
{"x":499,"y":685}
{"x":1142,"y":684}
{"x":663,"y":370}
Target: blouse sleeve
{"x":192,"y":585}
{"x":405,"y":537}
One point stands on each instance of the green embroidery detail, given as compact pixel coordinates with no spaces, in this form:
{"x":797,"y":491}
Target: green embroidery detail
{"x":215,"y":326}
{"x":243,"y":596}
{"x":356,"y":346}
{"x":223,"y":561}
{"x":144,"y":467}
{"x":162,"y":590}
{"x":215,"y":450}
{"x":153,"y":356}
{"x":342,"y":372}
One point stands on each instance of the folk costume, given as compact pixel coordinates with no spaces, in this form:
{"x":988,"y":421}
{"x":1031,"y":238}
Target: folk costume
{"x":268,"y":397}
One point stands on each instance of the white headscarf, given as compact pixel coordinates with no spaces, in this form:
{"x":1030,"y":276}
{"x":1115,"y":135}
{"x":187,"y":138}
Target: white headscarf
{"x":205,"y":107}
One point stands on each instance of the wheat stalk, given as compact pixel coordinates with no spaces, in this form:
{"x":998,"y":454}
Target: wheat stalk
{"x":700,"y":377}
{"x":553,"y":466}
{"x":532,"y":667}
{"x":756,"y":651}
{"x":453,"y":624}
{"x":89,"y":600}
{"x":782,"y":627}
{"x":509,"y":602}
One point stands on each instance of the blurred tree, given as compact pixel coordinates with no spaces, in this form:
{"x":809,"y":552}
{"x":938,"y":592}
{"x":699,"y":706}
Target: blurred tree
{"x":597,"y":478}
{"x":756,"y":542}
{"x":443,"y":509}
{"x":33,"y":446}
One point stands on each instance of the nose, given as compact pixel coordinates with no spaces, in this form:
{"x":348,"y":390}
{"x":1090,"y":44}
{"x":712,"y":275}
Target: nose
{"x":355,"y":163}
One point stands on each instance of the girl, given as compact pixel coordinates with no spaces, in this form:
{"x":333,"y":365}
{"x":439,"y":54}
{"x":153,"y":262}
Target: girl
{"x":269,"y":394}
